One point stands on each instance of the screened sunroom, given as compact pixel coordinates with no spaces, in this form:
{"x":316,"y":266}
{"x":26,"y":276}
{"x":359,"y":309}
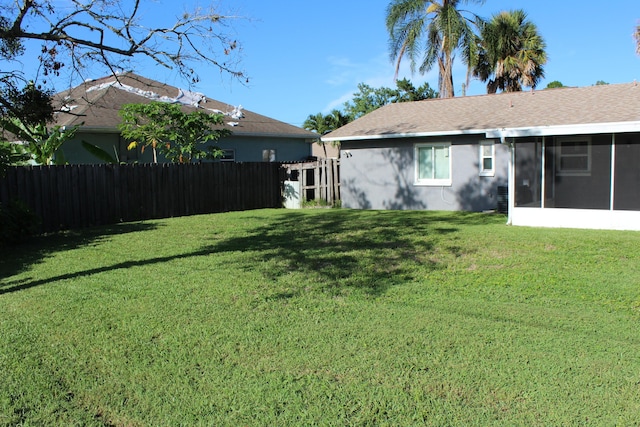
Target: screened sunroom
{"x":581,"y":181}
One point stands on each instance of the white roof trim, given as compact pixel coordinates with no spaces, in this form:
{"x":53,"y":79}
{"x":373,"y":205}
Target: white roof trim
{"x":405,"y":135}
{"x":579,"y":129}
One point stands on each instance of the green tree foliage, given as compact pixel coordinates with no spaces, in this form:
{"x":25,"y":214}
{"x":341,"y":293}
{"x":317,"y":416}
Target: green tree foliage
{"x":11,"y":155}
{"x":511,"y":53}
{"x":179,"y":136}
{"x":31,"y":104}
{"x":365,"y":100}
{"x":554,"y":84}
{"x":42,"y":144}
{"x":368,"y":99}
{"x":24,"y":114}
{"x":430,"y":32}
{"x":101,"y":154}
{"x":323,"y":124}
{"x":406,"y":91}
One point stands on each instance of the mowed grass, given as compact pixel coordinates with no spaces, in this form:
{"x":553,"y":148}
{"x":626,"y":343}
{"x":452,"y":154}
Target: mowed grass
{"x":322,"y":317}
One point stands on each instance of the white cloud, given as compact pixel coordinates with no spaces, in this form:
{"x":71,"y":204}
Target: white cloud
{"x":338,"y":103}
{"x":377,"y":72}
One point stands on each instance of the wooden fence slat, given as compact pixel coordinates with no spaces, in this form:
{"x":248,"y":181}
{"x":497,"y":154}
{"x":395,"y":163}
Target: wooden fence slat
{"x":87,"y":195}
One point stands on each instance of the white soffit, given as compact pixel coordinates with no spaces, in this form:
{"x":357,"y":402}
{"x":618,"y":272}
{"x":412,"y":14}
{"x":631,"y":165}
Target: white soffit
{"x":559,"y":130}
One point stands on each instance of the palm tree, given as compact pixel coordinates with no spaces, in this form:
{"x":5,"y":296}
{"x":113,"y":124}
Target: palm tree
{"x":316,"y":123}
{"x":323,"y":124}
{"x":637,"y":37}
{"x":431,"y":32}
{"x":510,"y":53}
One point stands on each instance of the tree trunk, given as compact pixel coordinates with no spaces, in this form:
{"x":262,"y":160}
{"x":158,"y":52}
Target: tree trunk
{"x":445,"y":63}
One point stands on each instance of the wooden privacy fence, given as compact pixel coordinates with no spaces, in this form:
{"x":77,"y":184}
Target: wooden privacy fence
{"x":319,"y":180}
{"x":74,"y":196}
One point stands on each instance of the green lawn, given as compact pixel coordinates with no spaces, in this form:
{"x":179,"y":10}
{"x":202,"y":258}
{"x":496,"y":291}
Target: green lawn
{"x":325,"y":317}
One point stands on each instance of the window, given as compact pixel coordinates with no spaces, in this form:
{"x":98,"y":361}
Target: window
{"x":574,"y":156}
{"x":487,"y":158}
{"x":433,"y":164}
{"x":229,"y":155}
{"x":268,"y":155}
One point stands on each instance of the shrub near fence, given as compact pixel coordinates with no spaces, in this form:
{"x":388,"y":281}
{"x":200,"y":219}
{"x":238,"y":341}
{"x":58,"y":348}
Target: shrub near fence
{"x":75,"y":196}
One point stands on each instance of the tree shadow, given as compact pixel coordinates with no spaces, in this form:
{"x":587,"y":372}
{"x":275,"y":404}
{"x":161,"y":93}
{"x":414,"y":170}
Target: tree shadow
{"x":405,"y":197}
{"x":337,"y":250}
{"x":358,"y":197}
{"x":375,"y":179}
{"x":366,"y":250}
{"x":20,"y":258}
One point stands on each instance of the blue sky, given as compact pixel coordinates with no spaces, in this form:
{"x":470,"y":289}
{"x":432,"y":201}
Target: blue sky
{"x":305,"y":57}
{"x":308,"y":57}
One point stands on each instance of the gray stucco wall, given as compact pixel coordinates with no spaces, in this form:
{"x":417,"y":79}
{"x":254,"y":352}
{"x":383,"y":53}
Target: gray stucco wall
{"x":380,"y":174}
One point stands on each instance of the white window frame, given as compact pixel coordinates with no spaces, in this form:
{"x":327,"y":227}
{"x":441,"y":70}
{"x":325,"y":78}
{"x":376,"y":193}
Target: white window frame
{"x":573,"y":172}
{"x":229,"y":155}
{"x":487,"y":143}
{"x":269,"y":155}
{"x":432,"y":181}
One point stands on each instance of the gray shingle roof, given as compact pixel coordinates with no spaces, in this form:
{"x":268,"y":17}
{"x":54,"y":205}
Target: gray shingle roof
{"x":95,"y":105}
{"x":528,"y":111}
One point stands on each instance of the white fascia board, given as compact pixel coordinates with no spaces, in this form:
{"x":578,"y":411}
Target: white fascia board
{"x":559,"y":130}
{"x":306,"y":137}
{"x":97,"y":129}
{"x":406,"y":135}
{"x":581,"y":129}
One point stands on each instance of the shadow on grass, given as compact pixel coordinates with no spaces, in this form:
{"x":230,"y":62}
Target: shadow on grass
{"x":20,"y":258}
{"x":366,"y":250}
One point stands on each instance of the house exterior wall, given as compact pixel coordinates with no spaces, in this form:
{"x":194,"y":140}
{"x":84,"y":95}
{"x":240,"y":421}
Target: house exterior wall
{"x":247,"y":149}
{"x":325,"y":150}
{"x":381,"y":174}
{"x":76,"y":154}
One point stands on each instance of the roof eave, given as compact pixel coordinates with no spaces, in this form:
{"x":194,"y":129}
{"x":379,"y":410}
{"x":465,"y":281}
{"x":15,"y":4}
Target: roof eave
{"x":560,"y":130}
{"x":97,"y":129}
{"x":575,"y":129}
{"x":403,"y":135}
{"x":272,"y":135}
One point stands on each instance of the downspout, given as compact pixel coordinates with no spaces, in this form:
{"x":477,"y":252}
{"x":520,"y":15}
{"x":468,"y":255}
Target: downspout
{"x":512,"y":181}
{"x":511,"y":175}
{"x":613,"y":173}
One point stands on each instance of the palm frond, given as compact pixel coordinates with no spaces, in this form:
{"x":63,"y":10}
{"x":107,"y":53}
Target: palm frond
{"x":433,"y":31}
{"x":512,"y":51}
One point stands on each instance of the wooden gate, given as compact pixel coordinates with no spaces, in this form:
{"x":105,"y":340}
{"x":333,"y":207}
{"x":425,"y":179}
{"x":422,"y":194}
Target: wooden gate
{"x":319,"y":180}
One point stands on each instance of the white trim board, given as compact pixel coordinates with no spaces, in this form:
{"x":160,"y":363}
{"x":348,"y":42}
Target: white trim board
{"x":598,"y":219}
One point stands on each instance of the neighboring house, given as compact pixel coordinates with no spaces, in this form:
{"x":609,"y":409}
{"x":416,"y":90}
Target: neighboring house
{"x":569,"y":156}
{"x":95,"y":104}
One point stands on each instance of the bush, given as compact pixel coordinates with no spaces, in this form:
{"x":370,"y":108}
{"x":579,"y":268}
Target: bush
{"x":17,"y":222}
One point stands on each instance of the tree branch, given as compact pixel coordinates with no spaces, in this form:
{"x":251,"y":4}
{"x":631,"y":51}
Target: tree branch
{"x":118,"y":34}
